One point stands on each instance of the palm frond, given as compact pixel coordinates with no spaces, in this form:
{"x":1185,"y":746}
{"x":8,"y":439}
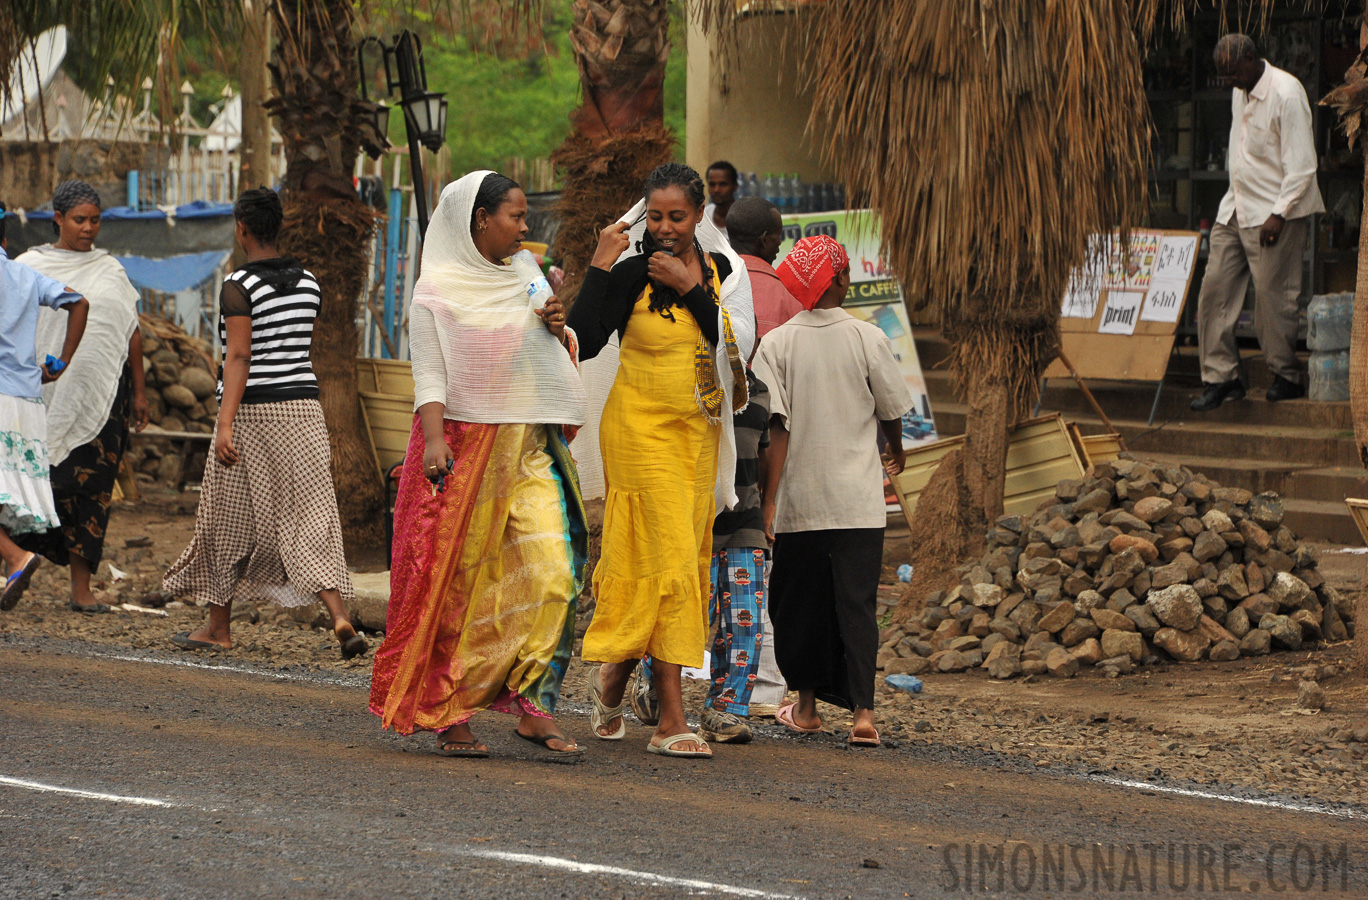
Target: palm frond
{"x":113,"y":45}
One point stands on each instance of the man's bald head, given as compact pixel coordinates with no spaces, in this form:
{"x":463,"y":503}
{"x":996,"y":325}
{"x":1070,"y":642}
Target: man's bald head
{"x":1237,"y":61}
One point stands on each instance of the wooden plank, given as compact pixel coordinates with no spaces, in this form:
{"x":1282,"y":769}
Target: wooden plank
{"x":390,"y":422}
{"x":1359,"y":510}
{"x":150,"y":435}
{"x":1040,"y":454}
{"x":1100,"y":448}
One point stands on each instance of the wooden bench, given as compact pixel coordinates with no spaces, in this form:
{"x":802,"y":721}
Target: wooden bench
{"x":184,"y":443}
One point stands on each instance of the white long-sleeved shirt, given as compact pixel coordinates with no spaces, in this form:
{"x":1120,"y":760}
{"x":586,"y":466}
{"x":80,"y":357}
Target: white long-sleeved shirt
{"x":1272,"y":155}
{"x":429,"y":368}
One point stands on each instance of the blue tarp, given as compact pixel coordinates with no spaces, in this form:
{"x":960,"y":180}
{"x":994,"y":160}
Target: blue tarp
{"x":200,"y":209}
{"x":170,"y":274}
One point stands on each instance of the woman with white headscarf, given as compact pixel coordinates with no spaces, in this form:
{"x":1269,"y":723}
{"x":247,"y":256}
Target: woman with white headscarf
{"x":90,"y":407}
{"x":490,"y":543}
{"x":665,"y":282}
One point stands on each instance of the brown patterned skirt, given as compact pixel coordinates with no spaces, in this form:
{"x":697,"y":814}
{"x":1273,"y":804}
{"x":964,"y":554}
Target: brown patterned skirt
{"x":267,"y":527}
{"x":83,"y":486}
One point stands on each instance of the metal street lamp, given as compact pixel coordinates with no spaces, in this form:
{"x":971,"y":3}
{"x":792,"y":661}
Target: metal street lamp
{"x":425,"y":111}
{"x":375,"y":144}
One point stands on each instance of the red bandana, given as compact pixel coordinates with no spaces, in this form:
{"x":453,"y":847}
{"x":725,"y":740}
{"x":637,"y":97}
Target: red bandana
{"x":810,"y":268}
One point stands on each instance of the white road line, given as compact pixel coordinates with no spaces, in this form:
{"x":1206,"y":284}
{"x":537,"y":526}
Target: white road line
{"x":570,"y":865}
{"x":88,"y":795}
{"x":1290,"y":805}
{"x":187,"y":664}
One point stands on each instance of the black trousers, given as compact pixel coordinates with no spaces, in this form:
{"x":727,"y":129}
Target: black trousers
{"x":823,"y":603}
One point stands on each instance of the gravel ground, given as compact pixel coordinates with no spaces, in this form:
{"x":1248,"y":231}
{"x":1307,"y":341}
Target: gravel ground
{"x":1225,"y":724}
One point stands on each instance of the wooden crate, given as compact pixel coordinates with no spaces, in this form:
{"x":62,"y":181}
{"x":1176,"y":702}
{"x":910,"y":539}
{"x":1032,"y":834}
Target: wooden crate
{"x":1359,"y":510}
{"x":1095,"y":448}
{"x":1040,"y":454}
{"x":386,"y":387}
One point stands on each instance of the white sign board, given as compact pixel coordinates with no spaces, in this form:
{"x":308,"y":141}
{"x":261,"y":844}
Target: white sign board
{"x":1121,"y":312}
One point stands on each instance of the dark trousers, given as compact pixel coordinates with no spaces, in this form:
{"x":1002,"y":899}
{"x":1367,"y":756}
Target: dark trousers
{"x":823,"y":602}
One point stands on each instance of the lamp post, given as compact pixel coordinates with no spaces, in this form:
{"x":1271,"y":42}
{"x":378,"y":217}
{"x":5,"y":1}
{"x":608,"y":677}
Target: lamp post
{"x":424,"y":111}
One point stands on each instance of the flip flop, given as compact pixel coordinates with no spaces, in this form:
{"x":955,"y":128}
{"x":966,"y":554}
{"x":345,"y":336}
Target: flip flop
{"x":545,"y":743}
{"x":602,"y":713}
{"x":185,"y":642}
{"x":666,"y":747}
{"x":18,"y":582}
{"x":354,"y":646}
{"x":785,"y":717}
{"x":462,"y":749}
{"x":90,"y":610}
{"x":855,"y":740}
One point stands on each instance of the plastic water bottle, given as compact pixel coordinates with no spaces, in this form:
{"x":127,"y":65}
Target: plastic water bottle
{"x":1329,"y":322}
{"x":800,"y":195}
{"x":910,"y":683}
{"x":905,"y":573}
{"x":538,"y":288}
{"x":771,"y":191}
{"x":814,"y":198}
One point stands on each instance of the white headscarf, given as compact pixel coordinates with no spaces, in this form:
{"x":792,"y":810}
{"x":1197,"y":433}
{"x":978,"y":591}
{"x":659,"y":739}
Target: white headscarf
{"x":736,"y":301}
{"x":79,"y":403}
{"x":503,"y":366}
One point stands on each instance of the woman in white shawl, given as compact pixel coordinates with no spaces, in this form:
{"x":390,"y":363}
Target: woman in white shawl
{"x":490,"y":543}
{"x":89,"y":408}
{"x":678,"y":298}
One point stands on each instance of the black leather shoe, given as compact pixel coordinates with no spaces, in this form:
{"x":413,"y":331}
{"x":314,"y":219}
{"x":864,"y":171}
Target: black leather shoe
{"x":1216,"y":394}
{"x":1282,"y":389}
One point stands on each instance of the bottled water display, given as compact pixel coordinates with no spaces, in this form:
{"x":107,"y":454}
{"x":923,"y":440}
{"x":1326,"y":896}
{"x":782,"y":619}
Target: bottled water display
{"x":789,"y":194}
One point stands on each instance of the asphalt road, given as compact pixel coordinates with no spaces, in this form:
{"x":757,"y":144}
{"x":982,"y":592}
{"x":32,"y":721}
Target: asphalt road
{"x":147,"y":778}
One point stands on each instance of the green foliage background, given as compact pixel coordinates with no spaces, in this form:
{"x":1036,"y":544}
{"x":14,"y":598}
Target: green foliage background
{"x":521,"y":106}
{"x":501,"y":104}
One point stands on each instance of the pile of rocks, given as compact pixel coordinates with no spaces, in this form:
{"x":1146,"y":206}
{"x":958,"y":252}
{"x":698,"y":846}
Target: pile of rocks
{"x":1130,"y":562}
{"x":179,"y":372}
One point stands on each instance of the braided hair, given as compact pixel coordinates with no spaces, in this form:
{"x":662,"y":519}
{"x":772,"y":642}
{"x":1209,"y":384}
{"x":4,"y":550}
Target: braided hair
{"x":260,"y":210}
{"x":71,"y":194}
{"x":672,"y":174}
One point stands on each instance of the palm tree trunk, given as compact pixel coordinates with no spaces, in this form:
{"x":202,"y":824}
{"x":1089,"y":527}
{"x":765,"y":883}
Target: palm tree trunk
{"x":329,"y":229}
{"x":618,"y":133}
{"x":998,"y":366}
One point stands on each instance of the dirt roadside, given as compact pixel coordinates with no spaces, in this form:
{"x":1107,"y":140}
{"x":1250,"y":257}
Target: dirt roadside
{"x":1233,"y":724}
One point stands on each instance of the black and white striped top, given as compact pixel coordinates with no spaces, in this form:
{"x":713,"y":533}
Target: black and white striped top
{"x":282,"y":299}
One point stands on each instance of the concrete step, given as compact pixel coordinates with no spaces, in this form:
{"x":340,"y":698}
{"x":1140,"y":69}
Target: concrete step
{"x":1330,"y":484}
{"x":1302,"y":450}
{"x":1321,"y":520}
{"x":1279,"y":445}
{"x":1134,"y":400}
{"x":1184,"y":367}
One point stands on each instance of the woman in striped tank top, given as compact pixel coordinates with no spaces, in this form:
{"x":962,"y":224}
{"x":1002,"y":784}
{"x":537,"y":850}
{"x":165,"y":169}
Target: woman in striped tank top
{"x":267,"y":524}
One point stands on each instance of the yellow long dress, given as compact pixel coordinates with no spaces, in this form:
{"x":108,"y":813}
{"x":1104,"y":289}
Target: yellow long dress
{"x":660,"y":465}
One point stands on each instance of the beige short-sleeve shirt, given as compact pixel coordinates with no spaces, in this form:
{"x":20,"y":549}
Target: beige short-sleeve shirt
{"x":832,"y":378}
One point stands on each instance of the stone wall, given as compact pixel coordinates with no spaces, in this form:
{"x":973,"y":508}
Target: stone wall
{"x":29,"y":170}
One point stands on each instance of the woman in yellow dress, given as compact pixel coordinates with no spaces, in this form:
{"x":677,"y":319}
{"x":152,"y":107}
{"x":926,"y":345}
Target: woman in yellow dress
{"x":678,"y":300}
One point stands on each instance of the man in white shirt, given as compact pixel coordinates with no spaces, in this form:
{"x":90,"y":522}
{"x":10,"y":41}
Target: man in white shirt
{"x":722,"y":183}
{"x":1262,"y":226}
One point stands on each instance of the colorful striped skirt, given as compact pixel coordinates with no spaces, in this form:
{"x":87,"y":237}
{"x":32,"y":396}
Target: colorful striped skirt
{"x":485,"y":579}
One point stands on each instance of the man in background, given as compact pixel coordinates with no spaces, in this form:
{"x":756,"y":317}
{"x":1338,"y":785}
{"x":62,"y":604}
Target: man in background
{"x":755,"y":232}
{"x":721,"y":178}
{"x":1261,"y":227}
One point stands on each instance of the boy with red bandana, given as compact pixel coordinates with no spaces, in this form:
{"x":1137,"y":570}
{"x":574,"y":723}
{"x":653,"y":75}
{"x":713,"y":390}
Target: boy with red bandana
{"x":834,"y":384}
